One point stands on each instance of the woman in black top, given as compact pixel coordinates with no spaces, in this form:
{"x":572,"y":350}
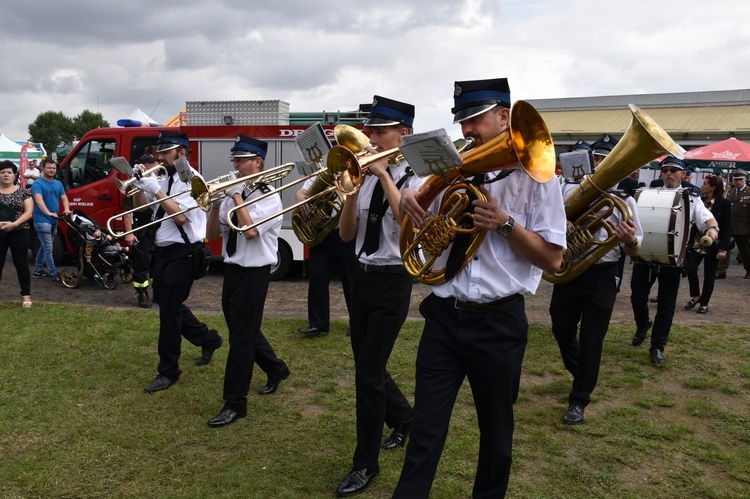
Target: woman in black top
{"x":713,"y":196}
{"x":16,"y":210}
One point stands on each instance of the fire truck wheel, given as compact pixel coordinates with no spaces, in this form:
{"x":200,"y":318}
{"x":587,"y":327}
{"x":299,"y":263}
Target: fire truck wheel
{"x":280,"y":269}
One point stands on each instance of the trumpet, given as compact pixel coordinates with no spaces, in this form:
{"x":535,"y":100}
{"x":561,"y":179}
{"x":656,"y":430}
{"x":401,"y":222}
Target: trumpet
{"x":346,"y":170}
{"x":127,"y":188}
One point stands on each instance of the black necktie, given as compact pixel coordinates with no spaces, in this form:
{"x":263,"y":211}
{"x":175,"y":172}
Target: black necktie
{"x":375,"y":214}
{"x":232,"y":237}
{"x":461,"y":243}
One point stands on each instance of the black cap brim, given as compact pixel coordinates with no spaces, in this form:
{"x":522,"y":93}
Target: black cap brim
{"x":470,"y":112}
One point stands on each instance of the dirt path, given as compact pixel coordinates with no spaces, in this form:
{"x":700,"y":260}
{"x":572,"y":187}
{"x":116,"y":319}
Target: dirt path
{"x":288,"y":298}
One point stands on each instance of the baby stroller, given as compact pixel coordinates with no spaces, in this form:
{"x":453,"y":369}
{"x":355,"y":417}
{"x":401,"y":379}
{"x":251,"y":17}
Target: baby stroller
{"x":99,"y":257}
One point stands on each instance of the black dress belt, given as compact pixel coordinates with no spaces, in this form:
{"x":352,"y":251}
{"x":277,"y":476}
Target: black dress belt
{"x":385,"y":269}
{"x":493,"y":307}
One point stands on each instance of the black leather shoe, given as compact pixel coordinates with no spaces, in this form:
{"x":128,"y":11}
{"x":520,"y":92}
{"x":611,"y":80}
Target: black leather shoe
{"x":160,"y":383}
{"x":226,"y":417}
{"x":312,"y":331}
{"x":657,"y":358}
{"x":274,"y":381}
{"x":721,"y":276}
{"x":208,"y":352}
{"x":641,"y":333}
{"x":574,"y":414}
{"x":398,"y":436}
{"x":356,"y":481}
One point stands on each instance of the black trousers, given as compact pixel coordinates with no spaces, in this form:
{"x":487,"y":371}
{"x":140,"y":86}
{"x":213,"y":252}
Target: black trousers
{"x":331,"y":254}
{"x":173,"y":277}
{"x":242,"y":300}
{"x":380,"y":304}
{"x":141,"y":258}
{"x":743,"y":246}
{"x":488,"y":349}
{"x":644,"y":276}
{"x":710,"y":264}
{"x":18,"y":242}
{"x":588,"y":300}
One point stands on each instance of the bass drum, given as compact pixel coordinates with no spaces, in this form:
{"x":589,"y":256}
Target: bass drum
{"x":665,"y":219}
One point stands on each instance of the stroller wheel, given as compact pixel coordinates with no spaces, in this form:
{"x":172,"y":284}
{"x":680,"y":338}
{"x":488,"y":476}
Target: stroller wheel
{"x":70,"y":277}
{"x":109,"y":281}
{"x":126,"y":274}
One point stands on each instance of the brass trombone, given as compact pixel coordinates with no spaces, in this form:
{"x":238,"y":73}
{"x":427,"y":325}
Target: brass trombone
{"x":204,"y":194}
{"x":346,"y":170}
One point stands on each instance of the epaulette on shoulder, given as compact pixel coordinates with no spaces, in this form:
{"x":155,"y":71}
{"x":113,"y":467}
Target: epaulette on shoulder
{"x":619,"y":193}
{"x":264,"y":188}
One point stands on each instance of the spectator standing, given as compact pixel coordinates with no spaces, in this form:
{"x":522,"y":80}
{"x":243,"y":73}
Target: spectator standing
{"x":713,"y":198}
{"x":16,"y":210}
{"x":739,"y":196}
{"x":48,"y":194}
{"x":31,"y":174}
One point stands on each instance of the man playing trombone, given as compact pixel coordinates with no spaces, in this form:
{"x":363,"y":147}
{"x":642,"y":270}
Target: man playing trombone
{"x":175,"y":240}
{"x":381,"y":292}
{"x":248,"y":257}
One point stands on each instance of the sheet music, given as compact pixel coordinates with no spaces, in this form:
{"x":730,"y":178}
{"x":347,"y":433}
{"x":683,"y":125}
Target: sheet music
{"x":313,"y":144}
{"x":121,"y":164}
{"x":575,"y":165}
{"x":430,"y":153}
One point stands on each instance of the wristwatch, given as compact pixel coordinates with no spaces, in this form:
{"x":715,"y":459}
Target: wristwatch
{"x":506,"y":228}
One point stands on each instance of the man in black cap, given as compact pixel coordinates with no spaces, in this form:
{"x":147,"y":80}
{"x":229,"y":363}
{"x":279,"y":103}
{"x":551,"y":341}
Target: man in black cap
{"x":175,"y":240}
{"x":739,"y":196}
{"x":141,"y":245}
{"x":475,"y":322}
{"x":248,"y":257}
{"x":601,"y":149}
{"x":380,"y":294}
{"x":645,"y":274}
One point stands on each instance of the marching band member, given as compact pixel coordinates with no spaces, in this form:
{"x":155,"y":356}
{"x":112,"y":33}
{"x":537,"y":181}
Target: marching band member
{"x":172,"y":268}
{"x":588,"y":300}
{"x":380,"y":294}
{"x":644,"y":274}
{"x":475,"y":322}
{"x":248,"y":257}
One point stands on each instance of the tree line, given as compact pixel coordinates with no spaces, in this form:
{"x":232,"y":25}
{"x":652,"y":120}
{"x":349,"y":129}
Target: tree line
{"x":53,"y":129}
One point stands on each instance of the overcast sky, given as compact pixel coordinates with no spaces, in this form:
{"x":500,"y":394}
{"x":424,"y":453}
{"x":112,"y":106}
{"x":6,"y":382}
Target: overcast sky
{"x":112,"y":57}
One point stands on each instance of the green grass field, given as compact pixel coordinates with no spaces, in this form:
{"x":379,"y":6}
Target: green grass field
{"x":74,"y":421}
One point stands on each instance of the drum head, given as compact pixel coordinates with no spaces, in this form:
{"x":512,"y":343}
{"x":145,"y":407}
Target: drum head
{"x":665,"y":219}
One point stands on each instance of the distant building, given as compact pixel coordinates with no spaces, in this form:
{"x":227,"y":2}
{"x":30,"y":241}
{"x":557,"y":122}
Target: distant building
{"x":692,"y":119}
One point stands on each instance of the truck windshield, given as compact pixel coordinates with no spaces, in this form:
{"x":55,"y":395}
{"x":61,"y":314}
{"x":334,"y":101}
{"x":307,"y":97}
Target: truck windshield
{"x":90,"y":163}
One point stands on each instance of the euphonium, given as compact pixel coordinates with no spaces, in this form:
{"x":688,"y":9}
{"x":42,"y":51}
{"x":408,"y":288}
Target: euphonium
{"x":313,"y":220}
{"x":526,"y":141}
{"x":589,"y":205}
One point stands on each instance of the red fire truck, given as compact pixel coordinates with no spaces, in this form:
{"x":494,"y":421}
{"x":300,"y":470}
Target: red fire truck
{"x":89,"y":178}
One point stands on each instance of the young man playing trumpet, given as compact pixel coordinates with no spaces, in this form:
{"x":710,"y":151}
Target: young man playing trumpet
{"x":172,"y":267}
{"x":248,"y":257}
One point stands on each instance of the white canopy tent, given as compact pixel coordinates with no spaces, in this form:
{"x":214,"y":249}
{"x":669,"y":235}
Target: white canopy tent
{"x":11,"y":150}
{"x":139,"y":115}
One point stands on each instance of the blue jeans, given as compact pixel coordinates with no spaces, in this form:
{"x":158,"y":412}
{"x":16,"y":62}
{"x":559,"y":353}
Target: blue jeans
{"x":46,"y":233}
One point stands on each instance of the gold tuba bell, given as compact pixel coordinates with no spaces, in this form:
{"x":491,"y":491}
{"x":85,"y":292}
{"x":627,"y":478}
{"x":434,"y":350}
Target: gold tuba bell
{"x":313,"y":220}
{"x":526,"y":141}
{"x":589,"y":205}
